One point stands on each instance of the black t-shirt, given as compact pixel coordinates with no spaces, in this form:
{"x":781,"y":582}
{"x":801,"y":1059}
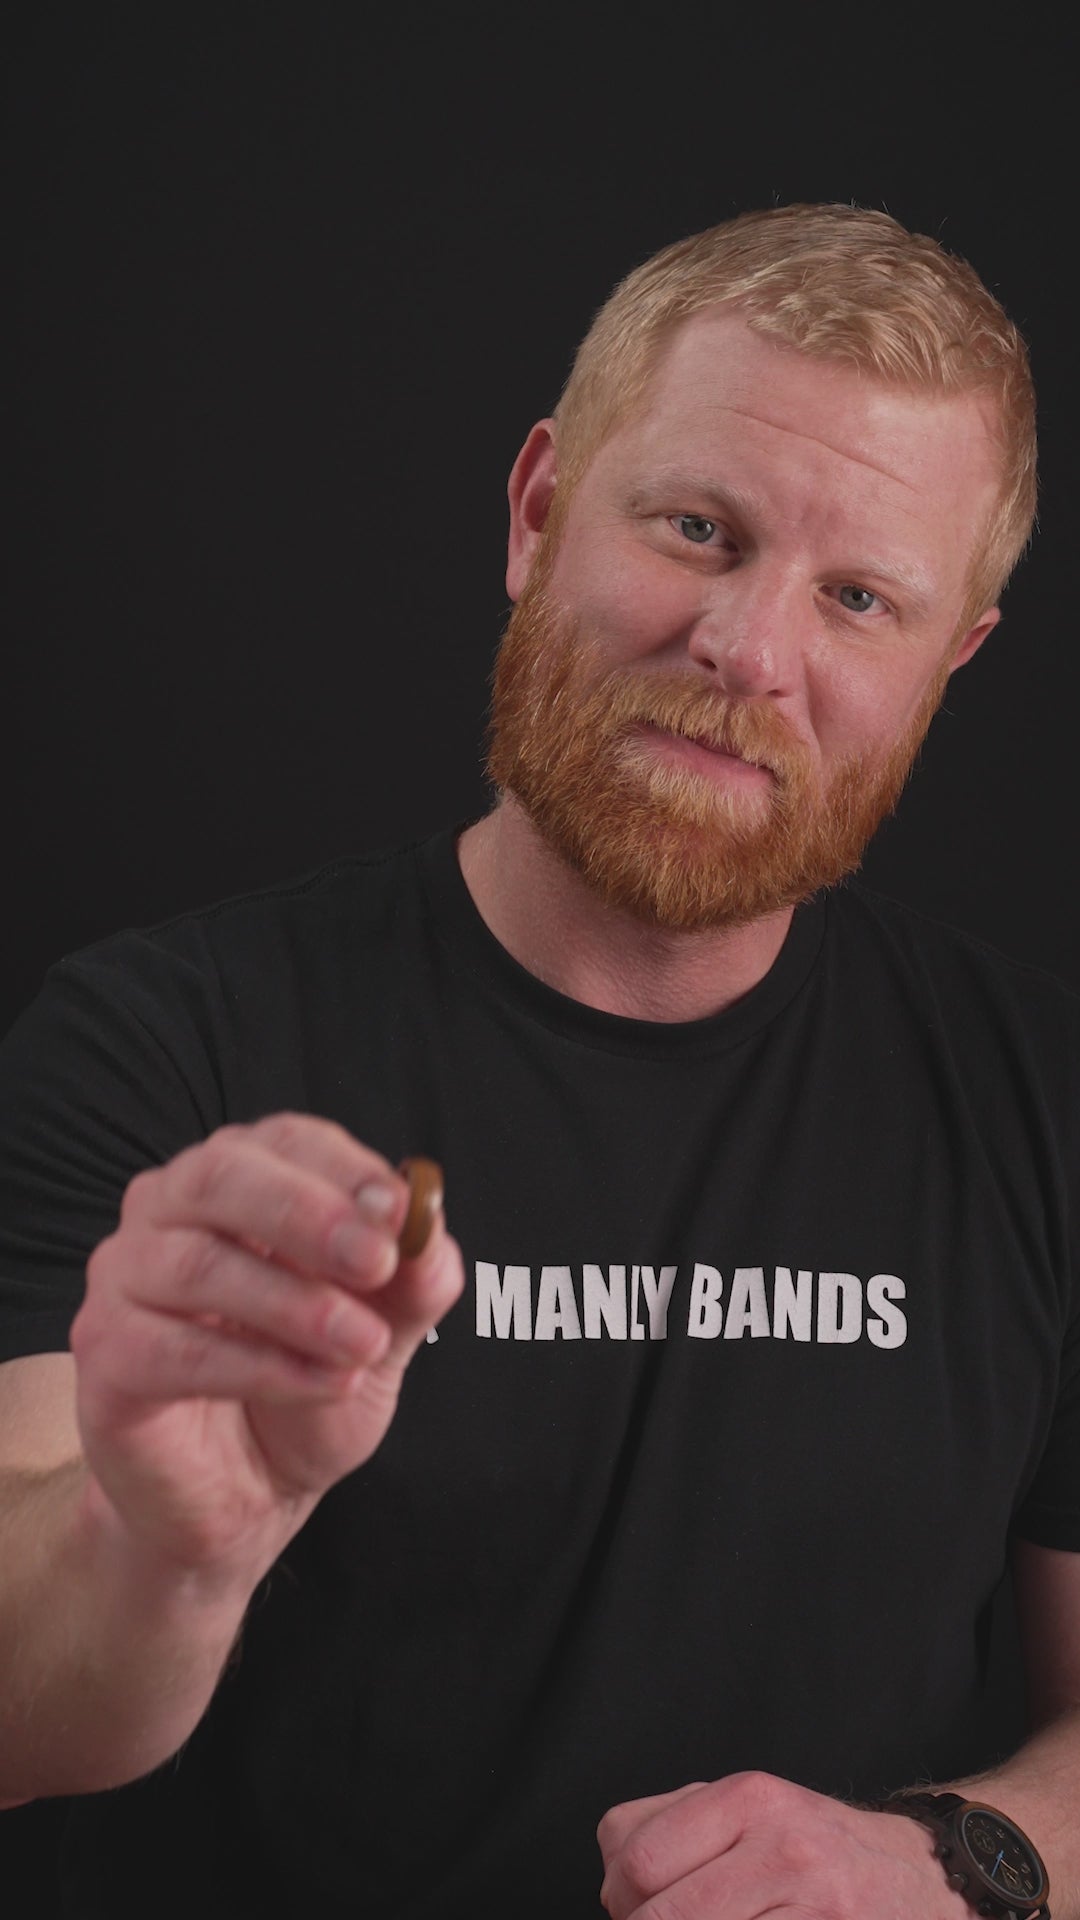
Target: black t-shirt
{"x":769,"y":1338}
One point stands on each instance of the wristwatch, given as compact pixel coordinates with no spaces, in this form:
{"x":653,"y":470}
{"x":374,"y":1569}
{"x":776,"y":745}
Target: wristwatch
{"x":986,"y":1857}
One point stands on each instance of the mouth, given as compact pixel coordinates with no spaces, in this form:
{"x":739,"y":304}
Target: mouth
{"x":718,"y":746}
{"x":705,"y":754}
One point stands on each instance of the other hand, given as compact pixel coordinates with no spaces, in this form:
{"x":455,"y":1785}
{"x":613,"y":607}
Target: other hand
{"x":753,"y":1844}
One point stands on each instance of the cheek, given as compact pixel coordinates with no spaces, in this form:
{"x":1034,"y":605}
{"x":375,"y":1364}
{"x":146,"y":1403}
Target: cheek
{"x":629,"y":603}
{"x":862,"y":702}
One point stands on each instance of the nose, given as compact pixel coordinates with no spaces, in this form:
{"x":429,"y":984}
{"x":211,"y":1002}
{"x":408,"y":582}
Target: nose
{"x":748,"y":634}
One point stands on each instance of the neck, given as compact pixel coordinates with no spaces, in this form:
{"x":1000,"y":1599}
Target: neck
{"x":552,"y":923}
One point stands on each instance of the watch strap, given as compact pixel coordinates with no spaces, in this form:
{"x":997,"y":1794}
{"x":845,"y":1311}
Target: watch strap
{"x":937,"y":1805}
{"x":935,"y":1810}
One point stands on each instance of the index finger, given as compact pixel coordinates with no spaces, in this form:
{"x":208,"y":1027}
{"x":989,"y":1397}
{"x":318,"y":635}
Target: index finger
{"x":287,"y":1185}
{"x":620,"y":1822}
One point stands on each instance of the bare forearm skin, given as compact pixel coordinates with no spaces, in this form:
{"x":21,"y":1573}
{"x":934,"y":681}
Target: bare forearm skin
{"x":1039,"y":1788}
{"x":107,"y":1661}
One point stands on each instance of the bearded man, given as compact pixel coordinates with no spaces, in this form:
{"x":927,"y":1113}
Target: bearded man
{"x":673,"y":1491}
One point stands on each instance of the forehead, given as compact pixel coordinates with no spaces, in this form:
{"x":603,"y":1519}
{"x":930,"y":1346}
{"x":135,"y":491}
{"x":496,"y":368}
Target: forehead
{"x":812,"y":437}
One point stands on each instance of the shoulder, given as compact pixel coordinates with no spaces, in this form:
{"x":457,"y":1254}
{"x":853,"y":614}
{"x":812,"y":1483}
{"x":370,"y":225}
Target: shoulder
{"x":1008,"y":1029}
{"x":301,"y":926}
{"x":949,"y":956}
{"x":190,"y":998}
{"x":360,"y":888}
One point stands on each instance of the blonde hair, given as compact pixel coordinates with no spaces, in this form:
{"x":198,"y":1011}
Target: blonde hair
{"x":840,"y":283}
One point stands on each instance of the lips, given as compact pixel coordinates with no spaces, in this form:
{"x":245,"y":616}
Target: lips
{"x":710,"y":744}
{"x":719,"y":746}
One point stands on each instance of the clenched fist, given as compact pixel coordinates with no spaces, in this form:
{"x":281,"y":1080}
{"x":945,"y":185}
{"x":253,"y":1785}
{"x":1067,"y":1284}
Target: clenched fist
{"x":753,"y":1844}
{"x":244,"y":1336}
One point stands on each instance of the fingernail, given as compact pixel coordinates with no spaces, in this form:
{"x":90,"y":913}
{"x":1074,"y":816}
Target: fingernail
{"x":375,"y":1203}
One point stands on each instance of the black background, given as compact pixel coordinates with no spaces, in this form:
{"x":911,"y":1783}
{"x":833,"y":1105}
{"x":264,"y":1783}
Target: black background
{"x":290,"y":284}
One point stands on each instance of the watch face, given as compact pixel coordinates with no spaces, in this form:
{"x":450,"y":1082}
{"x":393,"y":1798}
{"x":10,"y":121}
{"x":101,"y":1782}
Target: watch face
{"x":1002,"y":1855}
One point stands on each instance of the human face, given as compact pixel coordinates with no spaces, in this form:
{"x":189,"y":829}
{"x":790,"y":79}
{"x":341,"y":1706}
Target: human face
{"x":721,"y":666}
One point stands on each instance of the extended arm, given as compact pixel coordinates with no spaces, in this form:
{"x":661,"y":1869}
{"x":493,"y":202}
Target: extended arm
{"x":109,"y":1655}
{"x":240,"y":1347}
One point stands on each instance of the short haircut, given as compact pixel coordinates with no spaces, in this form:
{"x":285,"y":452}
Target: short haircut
{"x":843,"y":284}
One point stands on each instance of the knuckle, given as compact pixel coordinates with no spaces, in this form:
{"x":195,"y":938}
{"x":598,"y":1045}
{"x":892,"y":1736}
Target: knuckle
{"x":610,"y":1830}
{"x":101,"y":1345}
{"x":196,"y":1259}
{"x":763,"y":1793}
{"x":284,"y":1130}
{"x":212,"y":1166}
{"x":137,"y":1192}
{"x":639,"y":1864}
{"x":100,"y":1261}
{"x":290,"y":1130}
{"x":294,"y":1218}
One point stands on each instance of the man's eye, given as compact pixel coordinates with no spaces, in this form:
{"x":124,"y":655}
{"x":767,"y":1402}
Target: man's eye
{"x":694,"y":526}
{"x":856,"y":599}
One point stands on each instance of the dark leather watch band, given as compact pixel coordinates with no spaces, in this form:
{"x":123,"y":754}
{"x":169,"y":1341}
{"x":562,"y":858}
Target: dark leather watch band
{"x":937,"y":1812}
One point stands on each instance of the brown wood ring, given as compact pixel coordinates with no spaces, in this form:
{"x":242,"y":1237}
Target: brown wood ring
{"x":425,"y":1178}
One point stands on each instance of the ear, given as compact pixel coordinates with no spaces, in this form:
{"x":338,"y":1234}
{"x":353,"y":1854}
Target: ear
{"x":974,"y":638}
{"x":530,"y":490}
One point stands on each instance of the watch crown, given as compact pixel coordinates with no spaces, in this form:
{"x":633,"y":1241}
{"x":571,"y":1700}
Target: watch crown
{"x":957,"y":1880}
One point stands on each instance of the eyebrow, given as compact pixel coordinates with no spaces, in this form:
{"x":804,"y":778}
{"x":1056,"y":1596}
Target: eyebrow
{"x":672,"y":482}
{"x":677,"y":480}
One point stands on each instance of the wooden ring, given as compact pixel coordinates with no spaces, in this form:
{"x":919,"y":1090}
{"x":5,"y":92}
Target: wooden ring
{"x":425,"y":1178}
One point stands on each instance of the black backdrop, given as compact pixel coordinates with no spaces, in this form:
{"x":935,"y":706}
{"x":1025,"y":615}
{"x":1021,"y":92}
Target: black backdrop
{"x":290,"y":284}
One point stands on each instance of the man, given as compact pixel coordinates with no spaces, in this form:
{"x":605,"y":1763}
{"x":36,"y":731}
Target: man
{"x":672,"y":1491}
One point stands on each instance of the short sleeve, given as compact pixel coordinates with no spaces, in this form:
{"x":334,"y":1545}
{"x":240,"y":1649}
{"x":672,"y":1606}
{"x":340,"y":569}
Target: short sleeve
{"x":1049,"y":1514}
{"x":108,"y":1071}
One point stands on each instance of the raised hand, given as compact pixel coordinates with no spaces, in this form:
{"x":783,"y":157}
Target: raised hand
{"x":244,"y":1336}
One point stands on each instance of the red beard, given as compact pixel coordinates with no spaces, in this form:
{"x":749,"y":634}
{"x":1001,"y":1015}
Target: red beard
{"x":671,"y":847}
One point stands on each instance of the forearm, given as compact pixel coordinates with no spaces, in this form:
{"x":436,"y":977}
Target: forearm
{"x":108,"y":1661}
{"x":1039,"y":1788}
